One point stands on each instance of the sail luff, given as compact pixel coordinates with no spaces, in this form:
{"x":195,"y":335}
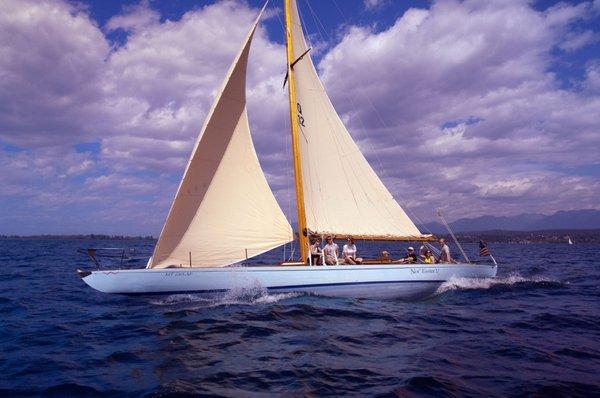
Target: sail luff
{"x":300,"y":207}
{"x":224,"y":207}
{"x":245,"y":48}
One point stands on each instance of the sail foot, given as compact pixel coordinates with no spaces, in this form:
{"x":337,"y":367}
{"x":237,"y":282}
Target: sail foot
{"x":403,"y":238}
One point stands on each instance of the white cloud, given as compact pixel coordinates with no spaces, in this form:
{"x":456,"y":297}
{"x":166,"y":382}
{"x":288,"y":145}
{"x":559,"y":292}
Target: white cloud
{"x":135,"y":17}
{"x":51,"y":72}
{"x":416,"y":86}
{"x":63,"y":84}
{"x":490,"y":60}
{"x":592,"y":78}
{"x":575,"y":40}
{"x":375,"y":4}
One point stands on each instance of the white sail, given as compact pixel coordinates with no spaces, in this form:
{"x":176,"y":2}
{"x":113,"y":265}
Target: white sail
{"x":342,"y":193}
{"x":224,"y":210}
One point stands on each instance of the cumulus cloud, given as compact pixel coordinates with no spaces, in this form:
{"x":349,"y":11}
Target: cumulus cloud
{"x":486,"y":60}
{"x":592,"y":78}
{"x":458,"y":103}
{"x":134,"y":17}
{"x":375,"y":4}
{"x":51,"y":72}
{"x":143,"y":101}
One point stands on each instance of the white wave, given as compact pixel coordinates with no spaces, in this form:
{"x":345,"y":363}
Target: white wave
{"x":174,"y":299}
{"x":251,"y":295}
{"x":243,"y":295}
{"x":486,"y":283}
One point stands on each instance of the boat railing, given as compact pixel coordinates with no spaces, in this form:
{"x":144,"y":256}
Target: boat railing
{"x":111,"y":253}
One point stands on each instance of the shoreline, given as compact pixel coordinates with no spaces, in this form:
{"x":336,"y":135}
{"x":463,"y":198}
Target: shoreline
{"x":578,"y":236}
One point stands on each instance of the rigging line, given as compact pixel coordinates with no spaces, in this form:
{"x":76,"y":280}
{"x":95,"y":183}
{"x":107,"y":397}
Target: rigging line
{"x":304,"y":26}
{"x":453,"y":237}
{"x":386,"y":128}
{"x":288,"y":179}
{"x":287,"y":172}
{"x":352,"y":170}
{"x":329,"y":122}
{"x":287,"y":193}
{"x":364,"y":129}
{"x":340,"y":10}
{"x":317,"y":21}
{"x":388,"y":211}
{"x":397,"y":144}
{"x":395,"y":141}
{"x":316,"y":17}
{"x":280,"y":22}
{"x":404,"y":202}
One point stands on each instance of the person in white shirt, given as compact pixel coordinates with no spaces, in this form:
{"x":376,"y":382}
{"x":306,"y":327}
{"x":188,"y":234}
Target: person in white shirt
{"x":445,"y":256}
{"x":350,"y":253}
{"x":330,"y":251}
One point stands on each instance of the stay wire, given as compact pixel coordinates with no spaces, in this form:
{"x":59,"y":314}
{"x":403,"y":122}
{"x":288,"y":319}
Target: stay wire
{"x":287,"y":172}
{"x":396,"y":144}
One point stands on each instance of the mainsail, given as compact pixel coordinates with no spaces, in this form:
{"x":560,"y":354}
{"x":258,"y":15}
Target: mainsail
{"x":224,"y":210}
{"x":342,"y":193}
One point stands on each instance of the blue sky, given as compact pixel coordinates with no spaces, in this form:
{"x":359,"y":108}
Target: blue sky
{"x":474,"y":107}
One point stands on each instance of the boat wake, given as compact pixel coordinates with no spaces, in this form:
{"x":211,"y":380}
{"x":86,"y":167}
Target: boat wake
{"x":247,"y":295}
{"x":488,"y":283}
{"x":252,"y":295}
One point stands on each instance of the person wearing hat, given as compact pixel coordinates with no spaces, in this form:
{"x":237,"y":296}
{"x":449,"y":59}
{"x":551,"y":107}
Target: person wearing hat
{"x":410,"y":257}
{"x":385,"y":257}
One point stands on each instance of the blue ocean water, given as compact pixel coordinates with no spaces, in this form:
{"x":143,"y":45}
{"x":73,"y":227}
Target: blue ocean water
{"x":533,"y":331}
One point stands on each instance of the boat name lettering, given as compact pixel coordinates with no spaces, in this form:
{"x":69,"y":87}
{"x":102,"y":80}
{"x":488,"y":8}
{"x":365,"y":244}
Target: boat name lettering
{"x":188,"y":273}
{"x":424,"y":271}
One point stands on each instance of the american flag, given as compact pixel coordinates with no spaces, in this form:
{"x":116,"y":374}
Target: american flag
{"x":483,"y":250}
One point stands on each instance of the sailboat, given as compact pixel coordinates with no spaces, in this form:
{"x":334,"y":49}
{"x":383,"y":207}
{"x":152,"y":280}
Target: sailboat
{"x":225,"y":213}
{"x":569,"y":241}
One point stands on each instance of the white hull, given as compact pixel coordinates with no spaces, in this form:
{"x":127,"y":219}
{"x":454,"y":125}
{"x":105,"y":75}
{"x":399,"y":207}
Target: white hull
{"x":361,"y":281}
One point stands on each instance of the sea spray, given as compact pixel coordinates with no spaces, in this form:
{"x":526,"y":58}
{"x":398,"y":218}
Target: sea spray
{"x":243,"y":295}
{"x":487,"y":283}
{"x":250,"y":295}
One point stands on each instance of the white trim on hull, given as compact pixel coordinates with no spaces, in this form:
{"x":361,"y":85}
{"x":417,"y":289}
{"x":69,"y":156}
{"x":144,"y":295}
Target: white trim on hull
{"x":361,"y":281}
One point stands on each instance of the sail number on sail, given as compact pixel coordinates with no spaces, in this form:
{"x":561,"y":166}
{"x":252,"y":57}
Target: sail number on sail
{"x":300,"y":117}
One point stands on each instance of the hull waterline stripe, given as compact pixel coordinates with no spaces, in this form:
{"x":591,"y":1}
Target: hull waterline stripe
{"x":287,"y":287}
{"x":290,"y":269}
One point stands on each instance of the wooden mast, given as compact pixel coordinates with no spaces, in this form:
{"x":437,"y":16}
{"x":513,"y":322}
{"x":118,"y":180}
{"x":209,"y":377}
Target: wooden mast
{"x":302,"y":232}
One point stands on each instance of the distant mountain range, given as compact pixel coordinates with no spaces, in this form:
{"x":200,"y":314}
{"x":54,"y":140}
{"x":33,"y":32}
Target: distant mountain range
{"x":572,"y":219}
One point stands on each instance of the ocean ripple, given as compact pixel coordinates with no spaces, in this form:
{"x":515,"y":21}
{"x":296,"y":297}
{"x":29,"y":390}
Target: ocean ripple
{"x":532,"y":331}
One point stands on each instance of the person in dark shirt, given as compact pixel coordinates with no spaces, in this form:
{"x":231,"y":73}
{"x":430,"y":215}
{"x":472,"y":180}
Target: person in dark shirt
{"x":410,"y":257}
{"x":315,"y":251}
